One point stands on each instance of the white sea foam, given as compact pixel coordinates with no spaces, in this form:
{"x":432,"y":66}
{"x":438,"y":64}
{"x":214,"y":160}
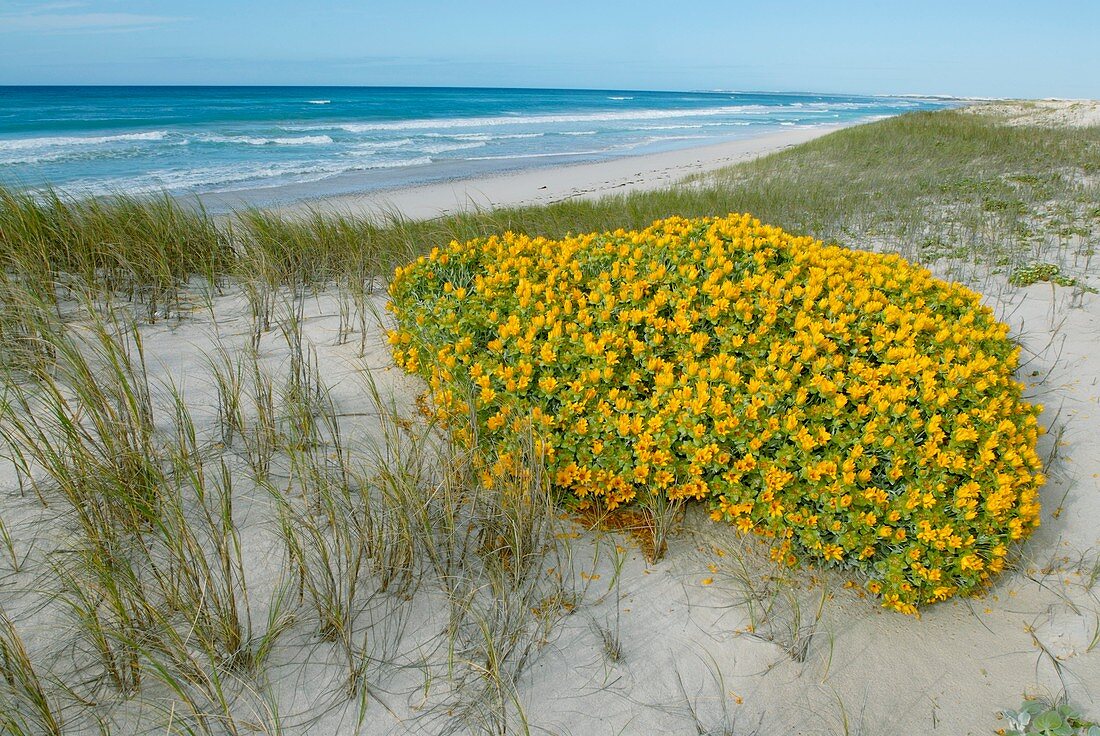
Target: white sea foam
{"x":43,"y":155}
{"x":649,"y":140}
{"x":671,"y":127}
{"x":305,"y":140}
{"x":320,"y":102}
{"x":694,"y":126}
{"x":620,"y":98}
{"x":27,"y":144}
{"x":418,"y":161}
{"x":372,"y":145}
{"x":539,"y":155}
{"x":580,"y":132}
{"x":226,"y":178}
{"x":516,"y":119}
{"x":444,"y":147}
{"x":488,"y":122}
{"x":483,"y":136}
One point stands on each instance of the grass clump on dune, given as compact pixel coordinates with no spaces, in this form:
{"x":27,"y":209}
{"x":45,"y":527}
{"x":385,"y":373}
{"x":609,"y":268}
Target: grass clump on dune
{"x":846,"y":403}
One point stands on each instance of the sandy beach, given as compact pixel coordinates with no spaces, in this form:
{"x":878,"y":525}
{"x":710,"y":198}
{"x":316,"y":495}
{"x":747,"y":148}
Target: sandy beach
{"x":559,"y":183}
{"x":713,"y":638}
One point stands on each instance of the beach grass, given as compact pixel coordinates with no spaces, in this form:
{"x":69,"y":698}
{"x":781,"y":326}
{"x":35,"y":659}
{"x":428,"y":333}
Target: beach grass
{"x":368,"y":513}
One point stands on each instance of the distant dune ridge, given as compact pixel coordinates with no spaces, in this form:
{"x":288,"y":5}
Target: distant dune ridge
{"x":1066,"y":113}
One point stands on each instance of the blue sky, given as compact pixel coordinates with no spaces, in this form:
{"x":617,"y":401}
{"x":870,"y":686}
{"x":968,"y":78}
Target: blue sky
{"x":1004,"y":48}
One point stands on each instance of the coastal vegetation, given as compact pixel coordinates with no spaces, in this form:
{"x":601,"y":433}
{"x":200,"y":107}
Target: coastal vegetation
{"x":843,"y":403}
{"x":216,"y":492}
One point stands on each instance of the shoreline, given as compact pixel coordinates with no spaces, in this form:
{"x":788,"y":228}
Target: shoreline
{"x":552,"y":184}
{"x":297,"y":147}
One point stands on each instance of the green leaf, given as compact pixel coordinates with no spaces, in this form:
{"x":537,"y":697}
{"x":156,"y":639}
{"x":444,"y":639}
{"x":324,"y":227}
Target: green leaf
{"x":1047,"y":721}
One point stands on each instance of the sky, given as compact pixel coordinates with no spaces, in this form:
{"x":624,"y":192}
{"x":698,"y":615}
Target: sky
{"x":1006,"y":48}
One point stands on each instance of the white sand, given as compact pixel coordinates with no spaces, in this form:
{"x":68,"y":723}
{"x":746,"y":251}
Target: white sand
{"x":560,"y":183}
{"x":1064,"y":113}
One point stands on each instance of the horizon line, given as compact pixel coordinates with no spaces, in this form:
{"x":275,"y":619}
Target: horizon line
{"x":914,"y":95}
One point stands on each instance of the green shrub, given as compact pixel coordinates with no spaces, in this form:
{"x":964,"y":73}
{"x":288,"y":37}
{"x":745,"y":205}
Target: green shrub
{"x":846,"y":404}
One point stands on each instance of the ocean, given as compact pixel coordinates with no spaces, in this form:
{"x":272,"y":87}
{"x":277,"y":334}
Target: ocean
{"x":273,"y":145}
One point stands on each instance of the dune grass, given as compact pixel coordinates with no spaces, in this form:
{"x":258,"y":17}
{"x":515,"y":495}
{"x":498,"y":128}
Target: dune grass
{"x":366,"y":513}
{"x":153,"y":580}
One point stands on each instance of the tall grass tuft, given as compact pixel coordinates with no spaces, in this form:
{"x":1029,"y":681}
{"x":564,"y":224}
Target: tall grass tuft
{"x":142,"y":249}
{"x":83,"y":427}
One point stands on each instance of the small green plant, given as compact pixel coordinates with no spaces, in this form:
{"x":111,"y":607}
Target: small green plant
{"x":1036,"y":272}
{"x":1046,"y":719}
{"x":1005,"y":206}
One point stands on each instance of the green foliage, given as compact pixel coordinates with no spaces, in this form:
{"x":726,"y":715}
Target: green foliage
{"x":1036,"y":272}
{"x":844,"y":403}
{"x":1037,"y":718}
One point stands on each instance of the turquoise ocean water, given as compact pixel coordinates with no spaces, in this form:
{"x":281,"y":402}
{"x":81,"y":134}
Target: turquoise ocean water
{"x":270,"y":145}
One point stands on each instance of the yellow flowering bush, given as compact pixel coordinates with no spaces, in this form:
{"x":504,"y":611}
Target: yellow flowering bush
{"x":845,"y":403}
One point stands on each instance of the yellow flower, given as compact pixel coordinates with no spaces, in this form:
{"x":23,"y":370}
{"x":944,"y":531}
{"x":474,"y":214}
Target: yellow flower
{"x":799,"y":387}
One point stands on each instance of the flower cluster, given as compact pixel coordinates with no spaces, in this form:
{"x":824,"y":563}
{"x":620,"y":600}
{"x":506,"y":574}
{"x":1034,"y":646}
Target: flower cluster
{"x":846,"y":404}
